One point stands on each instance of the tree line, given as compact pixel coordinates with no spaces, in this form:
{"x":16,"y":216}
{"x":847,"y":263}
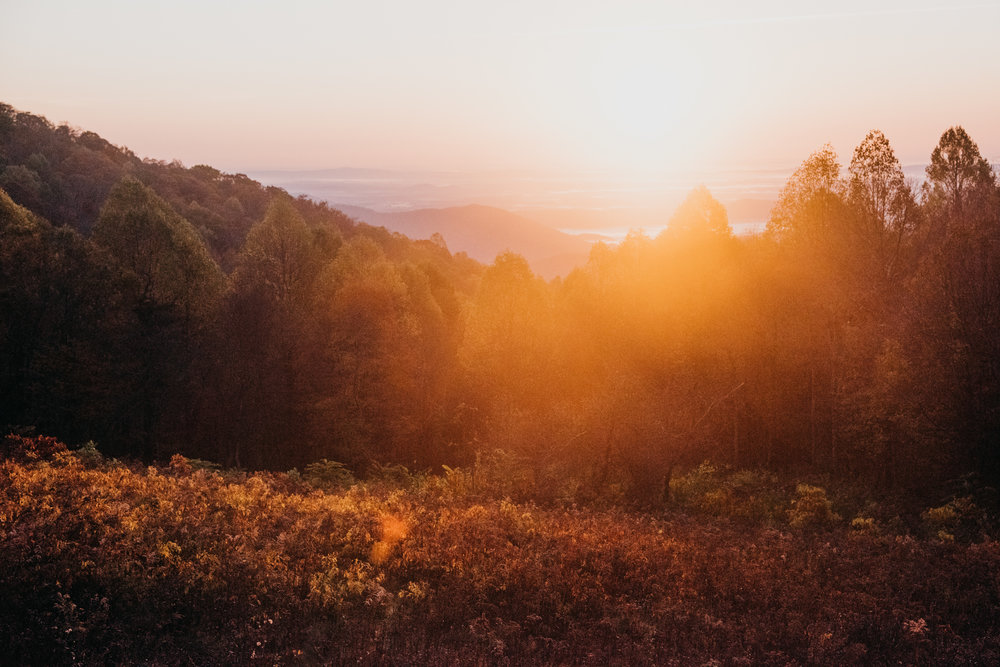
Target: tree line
{"x":155,"y":308}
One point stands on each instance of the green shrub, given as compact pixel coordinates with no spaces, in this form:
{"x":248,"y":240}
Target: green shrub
{"x":688,"y":490}
{"x":88,"y":455}
{"x":395,"y":475}
{"x":960,"y":518}
{"x":811,"y":508}
{"x":328,"y":475}
{"x":742,"y":494}
{"x":202,"y":464}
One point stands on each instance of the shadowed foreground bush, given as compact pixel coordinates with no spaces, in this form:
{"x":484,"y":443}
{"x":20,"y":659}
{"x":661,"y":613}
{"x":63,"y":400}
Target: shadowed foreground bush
{"x":101,"y":563}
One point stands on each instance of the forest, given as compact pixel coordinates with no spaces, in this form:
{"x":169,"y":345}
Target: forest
{"x":156,"y":309}
{"x":191,"y":335}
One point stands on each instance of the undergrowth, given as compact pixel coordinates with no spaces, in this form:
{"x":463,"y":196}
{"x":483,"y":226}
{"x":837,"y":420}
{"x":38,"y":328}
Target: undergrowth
{"x":106,"y":563}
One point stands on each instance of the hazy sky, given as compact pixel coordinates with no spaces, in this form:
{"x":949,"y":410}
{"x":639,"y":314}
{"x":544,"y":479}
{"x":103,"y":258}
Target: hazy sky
{"x":627,"y":86}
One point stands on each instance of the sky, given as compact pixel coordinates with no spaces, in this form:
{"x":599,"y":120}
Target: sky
{"x":633,"y":88}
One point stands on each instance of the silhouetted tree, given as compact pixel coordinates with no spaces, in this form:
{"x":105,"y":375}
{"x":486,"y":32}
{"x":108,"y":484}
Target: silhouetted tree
{"x":958,"y":177}
{"x":884,"y":210}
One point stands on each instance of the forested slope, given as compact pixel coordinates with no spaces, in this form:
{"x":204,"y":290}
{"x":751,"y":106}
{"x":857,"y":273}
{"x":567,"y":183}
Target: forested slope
{"x":157,"y":309}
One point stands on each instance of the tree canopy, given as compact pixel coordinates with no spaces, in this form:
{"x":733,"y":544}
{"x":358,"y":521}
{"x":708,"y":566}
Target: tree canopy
{"x":157,"y":308}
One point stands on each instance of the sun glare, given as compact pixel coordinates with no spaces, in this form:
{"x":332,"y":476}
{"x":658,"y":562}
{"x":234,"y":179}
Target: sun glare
{"x":647,"y":101}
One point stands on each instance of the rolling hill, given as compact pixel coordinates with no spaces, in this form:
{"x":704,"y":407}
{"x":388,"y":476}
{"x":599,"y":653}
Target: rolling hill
{"x":483,"y":232}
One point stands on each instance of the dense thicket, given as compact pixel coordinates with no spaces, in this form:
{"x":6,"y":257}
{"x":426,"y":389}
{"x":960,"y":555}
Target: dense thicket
{"x":156,"y":309}
{"x":106,"y":564}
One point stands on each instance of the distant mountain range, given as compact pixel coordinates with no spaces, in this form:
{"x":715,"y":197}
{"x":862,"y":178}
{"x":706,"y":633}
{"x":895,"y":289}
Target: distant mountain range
{"x":483,"y":232}
{"x":550,"y":220}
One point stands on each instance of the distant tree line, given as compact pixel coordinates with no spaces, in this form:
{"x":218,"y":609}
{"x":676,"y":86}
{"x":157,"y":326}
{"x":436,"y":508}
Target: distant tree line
{"x":155,"y":308}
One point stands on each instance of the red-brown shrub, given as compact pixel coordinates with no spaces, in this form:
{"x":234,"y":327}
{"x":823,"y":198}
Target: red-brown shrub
{"x":175,"y":564}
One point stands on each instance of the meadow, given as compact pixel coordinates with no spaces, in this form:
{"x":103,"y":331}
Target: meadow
{"x":103,"y":562}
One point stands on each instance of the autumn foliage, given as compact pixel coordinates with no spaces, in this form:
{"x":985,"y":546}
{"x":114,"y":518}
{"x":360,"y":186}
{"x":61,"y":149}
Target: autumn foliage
{"x":105,"y":563}
{"x":698,"y":448}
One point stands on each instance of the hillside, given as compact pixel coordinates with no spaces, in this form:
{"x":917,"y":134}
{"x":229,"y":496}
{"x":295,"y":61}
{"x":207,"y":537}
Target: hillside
{"x":483,"y":232}
{"x":157,"y":309}
{"x":65,"y":174}
{"x":138,"y":297}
